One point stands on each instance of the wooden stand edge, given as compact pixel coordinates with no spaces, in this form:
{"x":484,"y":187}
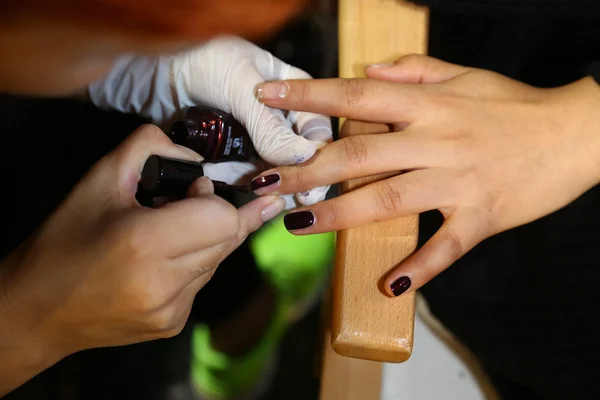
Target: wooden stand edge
{"x":368,"y":324}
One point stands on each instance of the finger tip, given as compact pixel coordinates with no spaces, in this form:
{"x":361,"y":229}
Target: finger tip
{"x":398,"y":285}
{"x":201,"y":187}
{"x":266,"y":184}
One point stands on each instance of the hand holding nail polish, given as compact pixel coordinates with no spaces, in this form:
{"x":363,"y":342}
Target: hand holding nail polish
{"x":488,"y":152}
{"x":222,"y":74}
{"x":105,"y":271}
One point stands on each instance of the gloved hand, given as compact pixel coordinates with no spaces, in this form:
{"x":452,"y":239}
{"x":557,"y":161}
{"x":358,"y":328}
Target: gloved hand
{"x":223,"y":73}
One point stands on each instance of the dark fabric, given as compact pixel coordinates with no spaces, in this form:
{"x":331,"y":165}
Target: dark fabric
{"x":45,"y":148}
{"x":527,"y":301}
{"x":579,"y":8}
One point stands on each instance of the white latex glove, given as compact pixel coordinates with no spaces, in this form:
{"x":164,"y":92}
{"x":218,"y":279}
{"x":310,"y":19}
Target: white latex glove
{"x":223,"y":73}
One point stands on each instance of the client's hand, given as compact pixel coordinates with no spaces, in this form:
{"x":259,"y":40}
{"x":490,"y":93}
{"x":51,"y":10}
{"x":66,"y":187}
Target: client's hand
{"x":488,"y":152}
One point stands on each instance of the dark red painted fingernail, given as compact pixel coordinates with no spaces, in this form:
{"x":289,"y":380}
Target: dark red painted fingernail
{"x":298,"y":220}
{"x":264,"y":181}
{"x":400,"y":285}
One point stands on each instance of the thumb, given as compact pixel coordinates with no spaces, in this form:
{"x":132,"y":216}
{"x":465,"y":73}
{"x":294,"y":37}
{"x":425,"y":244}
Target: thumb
{"x":416,"y":68}
{"x":255,"y":213}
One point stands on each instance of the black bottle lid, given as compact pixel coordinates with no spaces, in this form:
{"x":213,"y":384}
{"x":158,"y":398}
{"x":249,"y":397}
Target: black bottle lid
{"x":168,"y":177}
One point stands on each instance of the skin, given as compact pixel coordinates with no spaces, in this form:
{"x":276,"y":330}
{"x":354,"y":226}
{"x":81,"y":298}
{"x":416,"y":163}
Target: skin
{"x":488,"y":152}
{"x":102,"y":270}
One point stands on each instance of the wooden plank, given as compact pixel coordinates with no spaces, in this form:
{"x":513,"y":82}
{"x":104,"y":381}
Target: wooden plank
{"x":367,"y":324}
{"x":344,"y":378}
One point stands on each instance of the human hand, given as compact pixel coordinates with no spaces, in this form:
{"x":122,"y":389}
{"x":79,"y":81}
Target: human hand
{"x":105,"y":271}
{"x":488,"y":152}
{"x":223,"y":73}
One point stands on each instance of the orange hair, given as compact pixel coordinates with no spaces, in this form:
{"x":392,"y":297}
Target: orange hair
{"x":181,"y":19}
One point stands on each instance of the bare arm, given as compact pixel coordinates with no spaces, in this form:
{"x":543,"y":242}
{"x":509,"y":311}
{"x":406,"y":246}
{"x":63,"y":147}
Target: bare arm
{"x":24,"y":352}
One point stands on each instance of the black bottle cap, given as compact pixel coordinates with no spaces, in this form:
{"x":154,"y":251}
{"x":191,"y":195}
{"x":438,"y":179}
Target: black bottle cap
{"x":168,"y":177}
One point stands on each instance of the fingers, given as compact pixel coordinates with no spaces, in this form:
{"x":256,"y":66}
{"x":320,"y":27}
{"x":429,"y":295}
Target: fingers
{"x":114,"y":179}
{"x":361,"y":99}
{"x":459,"y":234}
{"x":146,"y":141}
{"x":314,"y":127}
{"x":349,"y":158}
{"x":191,"y":225}
{"x":201,"y":187}
{"x":403,"y":195}
{"x":251,"y":217}
{"x":233,"y":172}
{"x":254,"y":214}
{"x":415,"y":68}
{"x":121,"y":169}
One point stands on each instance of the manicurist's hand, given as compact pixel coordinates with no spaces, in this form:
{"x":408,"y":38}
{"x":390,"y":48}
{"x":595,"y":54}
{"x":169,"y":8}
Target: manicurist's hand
{"x":105,"y":271}
{"x":488,"y":152}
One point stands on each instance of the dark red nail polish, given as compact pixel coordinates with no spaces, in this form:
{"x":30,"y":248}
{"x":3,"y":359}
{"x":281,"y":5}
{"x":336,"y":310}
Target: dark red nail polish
{"x":213,"y":134}
{"x":400,"y":285}
{"x":298,"y":220}
{"x":265,"y":181}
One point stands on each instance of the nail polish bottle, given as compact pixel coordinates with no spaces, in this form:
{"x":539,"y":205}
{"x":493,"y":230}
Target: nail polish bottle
{"x":213,"y":134}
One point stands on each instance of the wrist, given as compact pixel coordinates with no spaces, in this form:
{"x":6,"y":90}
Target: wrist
{"x":578,"y":104}
{"x":25,"y":350}
{"x":591,"y":96}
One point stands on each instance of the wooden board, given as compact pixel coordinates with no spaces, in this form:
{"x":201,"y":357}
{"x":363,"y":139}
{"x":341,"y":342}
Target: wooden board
{"x":345,"y":378}
{"x":367,"y":324}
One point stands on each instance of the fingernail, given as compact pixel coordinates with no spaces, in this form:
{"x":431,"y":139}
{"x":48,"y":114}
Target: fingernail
{"x":265,"y":184}
{"x":273,"y":209}
{"x":273,"y":90}
{"x":299,"y":220}
{"x":400,"y":285}
{"x":381,"y":66}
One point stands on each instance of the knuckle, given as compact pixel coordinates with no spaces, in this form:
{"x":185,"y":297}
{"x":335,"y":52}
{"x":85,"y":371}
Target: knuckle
{"x":231,"y":221}
{"x":142,"y":299}
{"x":214,"y":207}
{"x":353,"y":91}
{"x":331,"y":215}
{"x":454,"y":245}
{"x":304,"y":92}
{"x":221,"y":251}
{"x":297,"y":176}
{"x":162,"y":320}
{"x":413,"y":59}
{"x":135,"y":243}
{"x":145,"y":136}
{"x":389,"y":198}
{"x":150,"y":133}
{"x":356,"y":150}
{"x":172,"y":332}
